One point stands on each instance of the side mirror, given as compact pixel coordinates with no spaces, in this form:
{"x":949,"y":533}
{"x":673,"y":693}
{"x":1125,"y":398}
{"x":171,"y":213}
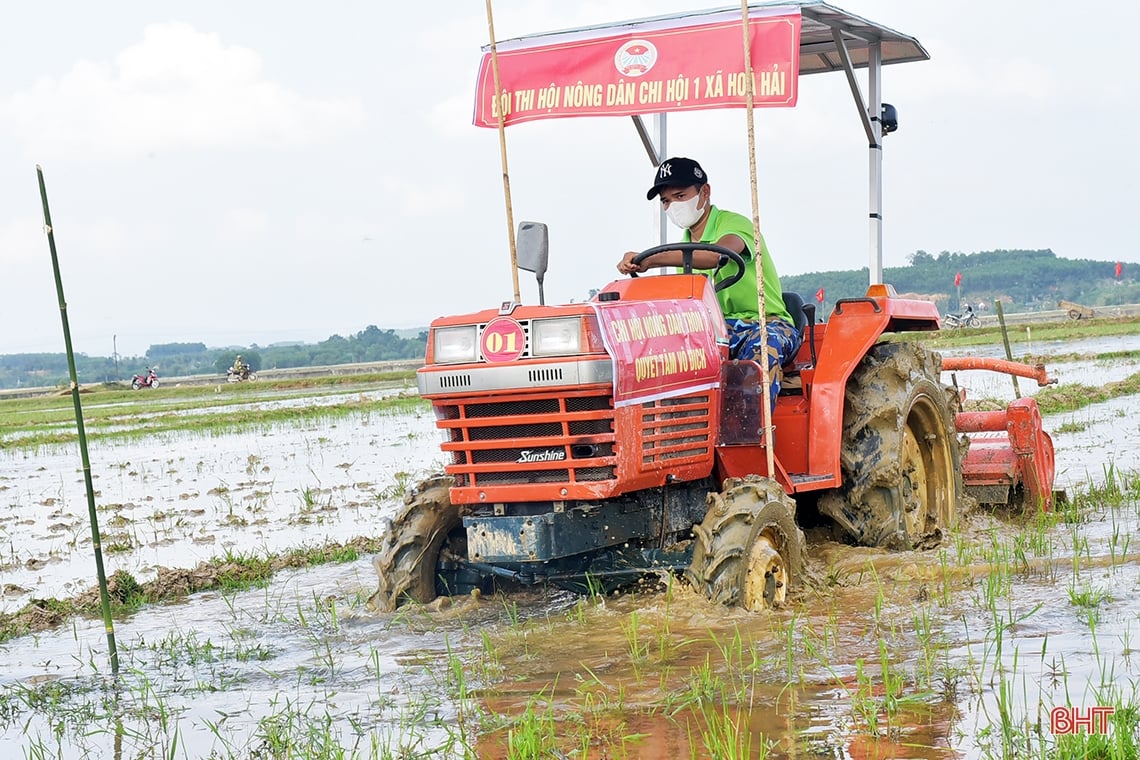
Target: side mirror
{"x":532,"y":251}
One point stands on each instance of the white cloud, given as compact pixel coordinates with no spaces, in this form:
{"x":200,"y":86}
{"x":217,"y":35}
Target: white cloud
{"x":21,"y":239}
{"x":245,"y":225}
{"x":451,"y":118}
{"x":956,"y":72}
{"x":419,"y":199}
{"x":176,"y":89}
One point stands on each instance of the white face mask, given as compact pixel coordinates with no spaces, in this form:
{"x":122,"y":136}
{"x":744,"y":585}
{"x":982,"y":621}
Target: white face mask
{"x":685,"y":214}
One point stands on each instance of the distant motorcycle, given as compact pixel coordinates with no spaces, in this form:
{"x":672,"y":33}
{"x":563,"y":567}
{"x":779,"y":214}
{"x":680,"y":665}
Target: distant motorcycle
{"x":966,"y":319}
{"x":149,"y":380}
{"x":245,"y":374}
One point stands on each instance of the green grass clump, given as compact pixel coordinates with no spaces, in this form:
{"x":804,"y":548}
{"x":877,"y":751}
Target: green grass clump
{"x":1072,"y":396}
{"x":135,"y":417}
{"x":229,"y":573}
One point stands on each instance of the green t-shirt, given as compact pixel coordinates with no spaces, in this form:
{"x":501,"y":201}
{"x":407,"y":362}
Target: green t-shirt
{"x":741,"y":301}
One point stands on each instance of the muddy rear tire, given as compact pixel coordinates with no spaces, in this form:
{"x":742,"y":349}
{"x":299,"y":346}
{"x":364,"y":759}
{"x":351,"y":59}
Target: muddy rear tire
{"x":748,"y":551}
{"x":407,"y":563}
{"x":901,"y":454}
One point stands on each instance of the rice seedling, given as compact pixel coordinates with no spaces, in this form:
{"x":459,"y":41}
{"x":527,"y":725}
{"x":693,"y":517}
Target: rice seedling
{"x":638,"y":649}
{"x":1119,"y":543}
{"x":1088,"y":600}
{"x":1072,"y":427}
{"x":725,"y":735}
{"x":533,"y":734}
{"x":705,"y":686}
{"x":599,"y":697}
{"x":398,"y":488}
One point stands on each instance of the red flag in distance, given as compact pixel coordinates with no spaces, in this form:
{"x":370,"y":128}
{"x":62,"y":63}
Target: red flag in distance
{"x":819,"y":295}
{"x":958,"y":279}
{"x":1119,"y":269}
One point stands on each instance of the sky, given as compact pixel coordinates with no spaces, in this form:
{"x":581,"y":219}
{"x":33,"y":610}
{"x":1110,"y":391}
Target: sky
{"x":255,"y":172}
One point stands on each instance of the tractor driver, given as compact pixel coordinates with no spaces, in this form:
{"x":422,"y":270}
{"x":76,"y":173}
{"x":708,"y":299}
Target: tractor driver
{"x":686,"y":195}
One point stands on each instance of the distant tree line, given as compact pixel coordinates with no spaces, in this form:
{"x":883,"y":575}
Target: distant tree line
{"x":1023,"y":280}
{"x":177,"y":359}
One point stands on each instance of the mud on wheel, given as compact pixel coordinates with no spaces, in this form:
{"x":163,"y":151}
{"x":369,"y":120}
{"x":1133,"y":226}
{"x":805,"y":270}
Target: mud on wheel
{"x":748,"y":551}
{"x":428,"y":527}
{"x":901,"y":454}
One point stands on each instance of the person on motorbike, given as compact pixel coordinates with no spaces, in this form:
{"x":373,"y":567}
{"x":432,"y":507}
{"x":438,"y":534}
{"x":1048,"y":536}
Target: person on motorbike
{"x":239,"y":368}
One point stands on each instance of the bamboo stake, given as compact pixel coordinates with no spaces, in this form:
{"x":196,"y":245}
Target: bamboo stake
{"x":503,"y":154}
{"x":765,"y":376}
{"x":1005,"y":341}
{"x":104,"y":596}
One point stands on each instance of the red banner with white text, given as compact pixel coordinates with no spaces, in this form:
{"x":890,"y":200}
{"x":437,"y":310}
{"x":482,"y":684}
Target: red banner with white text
{"x":659,"y":66}
{"x":660,"y":349}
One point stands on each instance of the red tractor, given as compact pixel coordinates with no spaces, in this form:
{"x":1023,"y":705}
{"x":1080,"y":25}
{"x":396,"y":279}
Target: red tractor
{"x":589,"y":444}
{"x":553,"y":481}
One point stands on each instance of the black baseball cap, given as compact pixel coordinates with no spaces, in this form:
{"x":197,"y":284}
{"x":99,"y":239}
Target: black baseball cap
{"x":677,"y":172}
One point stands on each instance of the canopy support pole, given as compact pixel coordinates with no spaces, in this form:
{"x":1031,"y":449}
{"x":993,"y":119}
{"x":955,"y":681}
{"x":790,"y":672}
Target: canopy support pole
{"x":869,"y":115}
{"x":875,"y":170}
{"x":656,"y":156}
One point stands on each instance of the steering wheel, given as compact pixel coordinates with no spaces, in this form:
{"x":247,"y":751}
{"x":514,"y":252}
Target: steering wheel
{"x":687,"y":249}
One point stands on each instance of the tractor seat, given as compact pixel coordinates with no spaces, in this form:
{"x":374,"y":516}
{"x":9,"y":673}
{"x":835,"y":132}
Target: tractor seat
{"x":795,"y":306}
{"x":803,"y":316}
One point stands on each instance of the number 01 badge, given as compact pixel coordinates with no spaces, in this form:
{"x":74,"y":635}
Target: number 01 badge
{"x":503,"y":340}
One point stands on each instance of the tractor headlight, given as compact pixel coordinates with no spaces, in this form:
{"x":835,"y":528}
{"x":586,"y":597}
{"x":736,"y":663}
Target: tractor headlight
{"x":554,"y":337}
{"x":455,"y":344}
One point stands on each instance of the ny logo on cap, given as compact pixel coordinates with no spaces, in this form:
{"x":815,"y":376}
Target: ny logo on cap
{"x":665,"y":171}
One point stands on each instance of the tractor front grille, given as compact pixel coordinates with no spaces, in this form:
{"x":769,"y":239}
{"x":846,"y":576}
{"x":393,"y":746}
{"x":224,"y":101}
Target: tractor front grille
{"x":675,"y":429}
{"x":529,"y":439}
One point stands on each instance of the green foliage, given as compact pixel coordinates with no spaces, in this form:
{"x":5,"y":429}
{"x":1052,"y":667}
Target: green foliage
{"x":1022,"y":280}
{"x":160,"y":350}
{"x":178,"y":359}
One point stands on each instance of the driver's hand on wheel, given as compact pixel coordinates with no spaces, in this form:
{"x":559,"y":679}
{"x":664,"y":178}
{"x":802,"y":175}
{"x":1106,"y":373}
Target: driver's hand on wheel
{"x":626,"y":265}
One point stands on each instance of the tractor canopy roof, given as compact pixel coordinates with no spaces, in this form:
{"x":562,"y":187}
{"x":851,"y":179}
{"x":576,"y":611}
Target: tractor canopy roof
{"x":679,"y":62}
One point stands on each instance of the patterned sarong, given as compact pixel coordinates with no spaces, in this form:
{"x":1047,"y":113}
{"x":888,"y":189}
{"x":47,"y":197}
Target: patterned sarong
{"x":744,"y":342}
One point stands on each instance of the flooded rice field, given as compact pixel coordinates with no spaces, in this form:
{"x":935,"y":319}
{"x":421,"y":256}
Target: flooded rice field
{"x":960,"y":651}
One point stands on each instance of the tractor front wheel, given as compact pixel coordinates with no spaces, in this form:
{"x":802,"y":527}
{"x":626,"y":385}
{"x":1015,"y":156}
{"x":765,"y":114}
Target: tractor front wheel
{"x":901,"y":454}
{"x":407,"y":563}
{"x":748,"y":551}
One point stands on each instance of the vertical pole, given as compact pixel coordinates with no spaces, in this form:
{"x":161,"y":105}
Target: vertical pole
{"x":659,"y":125}
{"x":104,"y":597}
{"x":875,"y":106}
{"x":1005,"y":340}
{"x":765,"y":375}
{"x":503,"y":154}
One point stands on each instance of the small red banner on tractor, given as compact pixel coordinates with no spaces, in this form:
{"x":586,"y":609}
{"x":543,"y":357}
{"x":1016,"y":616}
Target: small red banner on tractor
{"x":660,"y":349}
{"x":671,"y":65}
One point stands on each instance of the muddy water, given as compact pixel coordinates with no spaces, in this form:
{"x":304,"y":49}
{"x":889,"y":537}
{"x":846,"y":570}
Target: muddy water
{"x":969,"y":643}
